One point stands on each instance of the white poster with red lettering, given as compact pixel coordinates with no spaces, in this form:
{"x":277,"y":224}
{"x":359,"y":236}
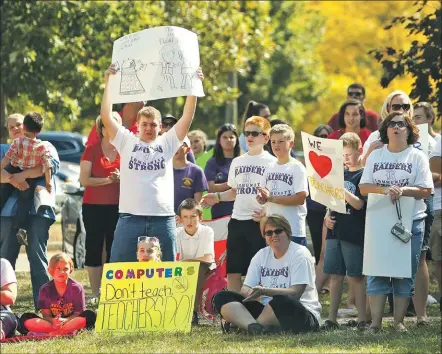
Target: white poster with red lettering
{"x":324,"y":163}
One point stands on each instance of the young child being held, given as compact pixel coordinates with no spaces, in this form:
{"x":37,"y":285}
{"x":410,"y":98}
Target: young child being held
{"x":24,"y":153}
{"x":148,"y":249}
{"x":61,"y":302}
{"x":195,"y":243}
{"x":285,"y":184}
{"x":344,"y":247}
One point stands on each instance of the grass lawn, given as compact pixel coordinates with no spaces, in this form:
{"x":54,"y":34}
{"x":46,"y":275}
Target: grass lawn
{"x":209,"y":339}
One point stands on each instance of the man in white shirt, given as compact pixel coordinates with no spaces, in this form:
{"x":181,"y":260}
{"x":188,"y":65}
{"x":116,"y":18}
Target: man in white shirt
{"x":195,"y":243}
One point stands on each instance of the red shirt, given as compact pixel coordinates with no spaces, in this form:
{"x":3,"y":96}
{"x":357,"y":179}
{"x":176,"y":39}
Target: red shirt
{"x":93,"y":135}
{"x":363,"y":134}
{"x":108,"y":194}
{"x":371,"y":120}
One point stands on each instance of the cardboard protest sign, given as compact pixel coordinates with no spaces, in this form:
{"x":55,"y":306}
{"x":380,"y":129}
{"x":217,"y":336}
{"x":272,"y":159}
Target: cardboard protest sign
{"x":422,"y":143}
{"x":156,"y":63}
{"x":325,"y":171}
{"x":151,"y":296}
{"x":384,"y":254}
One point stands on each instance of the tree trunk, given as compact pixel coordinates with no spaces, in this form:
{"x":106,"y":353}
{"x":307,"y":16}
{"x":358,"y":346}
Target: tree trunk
{"x":3,"y":115}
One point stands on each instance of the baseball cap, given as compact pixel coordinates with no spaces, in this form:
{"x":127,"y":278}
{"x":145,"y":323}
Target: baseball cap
{"x":169,"y":117}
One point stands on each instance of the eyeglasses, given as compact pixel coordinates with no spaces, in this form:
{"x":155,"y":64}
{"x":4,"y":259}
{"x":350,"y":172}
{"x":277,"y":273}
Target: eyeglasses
{"x":253,"y":133}
{"x":148,"y":239}
{"x":397,"y":107}
{"x":399,"y":124}
{"x":323,"y":136}
{"x":354,"y":93}
{"x":277,"y":232}
{"x":168,"y":124}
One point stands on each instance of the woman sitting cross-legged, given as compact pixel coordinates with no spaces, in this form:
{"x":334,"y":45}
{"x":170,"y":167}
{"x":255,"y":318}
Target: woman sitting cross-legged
{"x":279,"y":290}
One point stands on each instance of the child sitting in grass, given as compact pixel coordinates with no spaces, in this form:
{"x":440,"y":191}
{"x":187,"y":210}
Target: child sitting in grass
{"x":195,"y":243}
{"x":148,"y":249}
{"x":61,"y":302}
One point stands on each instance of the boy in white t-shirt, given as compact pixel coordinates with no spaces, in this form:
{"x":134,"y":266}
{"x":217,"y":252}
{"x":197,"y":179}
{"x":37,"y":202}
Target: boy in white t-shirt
{"x":195,"y":243}
{"x":246,"y":175}
{"x":286,"y":184}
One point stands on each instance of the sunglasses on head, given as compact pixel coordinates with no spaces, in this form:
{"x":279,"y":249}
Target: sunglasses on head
{"x":253,"y":133}
{"x":277,"y":232}
{"x":148,"y":239}
{"x":397,"y":107}
{"x":399,"y":124}
{"x":355,"y":93}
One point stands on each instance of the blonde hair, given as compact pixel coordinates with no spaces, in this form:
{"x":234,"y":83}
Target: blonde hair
{"x":61,"y":256}
{"x":17,"y":116}
{"x":198,"y":134}
{"x":99,"y":123}
{"x":283,"y":129}
{"x":276,"y":220}
{"x":261,"y":122}
{"x":149,"y":112}
{"x":387,"y":104}
{"x":351,"y":140}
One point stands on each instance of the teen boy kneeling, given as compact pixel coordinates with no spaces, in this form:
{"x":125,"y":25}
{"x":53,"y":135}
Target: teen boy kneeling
{"x":344,"y":248}
{"x":195,"y":243}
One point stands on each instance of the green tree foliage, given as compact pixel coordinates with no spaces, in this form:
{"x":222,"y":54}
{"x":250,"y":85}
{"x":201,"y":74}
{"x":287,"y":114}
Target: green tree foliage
{"x":422,"y":60}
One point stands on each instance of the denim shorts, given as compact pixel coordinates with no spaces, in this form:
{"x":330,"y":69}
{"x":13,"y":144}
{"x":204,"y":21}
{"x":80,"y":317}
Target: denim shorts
{"x":130,"y":227}
{"x":343,"y":258}
{"x":300,"y":240}
{"x":401,"y":287}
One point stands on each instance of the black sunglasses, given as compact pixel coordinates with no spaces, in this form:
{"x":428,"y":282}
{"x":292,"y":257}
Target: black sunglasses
{"x":168,"y":124}
{"x":277,"y":232}
{"x":253,"y":133}
{"x":324,"y":136}
{"x":396,"y":107}
{"x":355,"y":93}
{"x":399,"y":124}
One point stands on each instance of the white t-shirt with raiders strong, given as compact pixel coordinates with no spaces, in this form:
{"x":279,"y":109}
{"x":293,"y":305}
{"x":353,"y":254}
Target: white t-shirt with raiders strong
{"x":409,"y":167}
{"x":285,"y":180}
{"x":146,"y":173}
{"x":246,"y":174}
{"x":296,"y":267}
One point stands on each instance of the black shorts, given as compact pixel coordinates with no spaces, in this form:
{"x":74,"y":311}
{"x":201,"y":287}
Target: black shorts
{"x":428,"y":223}
{"x":291,"y":314}
{"x":244,"y":240}
{"x":99,"y":222}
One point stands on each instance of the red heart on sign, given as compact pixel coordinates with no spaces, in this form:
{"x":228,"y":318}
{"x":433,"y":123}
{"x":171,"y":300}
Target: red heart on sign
{"x":321,"y":164}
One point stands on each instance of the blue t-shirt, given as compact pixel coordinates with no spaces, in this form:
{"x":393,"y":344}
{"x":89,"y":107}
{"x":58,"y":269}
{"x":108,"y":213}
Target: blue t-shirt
{"x":188,"y":181}
{"x":219,"y":174}
{"x":10,"y":208}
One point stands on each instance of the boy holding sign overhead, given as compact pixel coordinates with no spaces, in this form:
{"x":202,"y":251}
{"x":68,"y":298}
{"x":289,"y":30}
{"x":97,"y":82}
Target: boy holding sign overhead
{"x":344,"y":249}
{"x":195,"y":242}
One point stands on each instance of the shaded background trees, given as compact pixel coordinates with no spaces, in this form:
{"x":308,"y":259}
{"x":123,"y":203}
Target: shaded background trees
{"x":299,"y":57}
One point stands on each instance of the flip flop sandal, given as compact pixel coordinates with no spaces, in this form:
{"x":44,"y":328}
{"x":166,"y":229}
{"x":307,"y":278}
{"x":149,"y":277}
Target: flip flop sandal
{"x":329,"y":325}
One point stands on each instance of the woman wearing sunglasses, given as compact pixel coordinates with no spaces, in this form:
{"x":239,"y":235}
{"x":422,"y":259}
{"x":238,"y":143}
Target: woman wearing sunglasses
{"x":351,"y":119}
{"x":397,"y":169}
{"x":279,"y":290}
{"x":217,"y":168}
{"x":397,"y":101}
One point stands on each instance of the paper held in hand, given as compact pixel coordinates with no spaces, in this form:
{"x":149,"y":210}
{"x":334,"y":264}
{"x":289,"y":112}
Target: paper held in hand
{"x":325,"y":171}
{"x":384,"y":254}
{"x":156,"y":63}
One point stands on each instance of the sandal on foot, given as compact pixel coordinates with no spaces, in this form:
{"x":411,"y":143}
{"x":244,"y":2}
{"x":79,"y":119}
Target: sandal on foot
{"x":329,"y":325}
{"x":423,"y":323}
{"x":351,"y":323}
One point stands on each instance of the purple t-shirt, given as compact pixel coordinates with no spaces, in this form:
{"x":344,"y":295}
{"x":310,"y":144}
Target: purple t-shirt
{"x":188,"y":181}
{"x":71,"y":301}
{"x":219,"y":174}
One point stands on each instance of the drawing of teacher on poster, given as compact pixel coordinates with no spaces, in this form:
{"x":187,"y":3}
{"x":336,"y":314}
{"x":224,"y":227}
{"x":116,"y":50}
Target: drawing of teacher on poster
{"x":156,"y":63}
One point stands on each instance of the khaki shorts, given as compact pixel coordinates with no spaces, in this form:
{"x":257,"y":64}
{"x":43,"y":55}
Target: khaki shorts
{"x":435,"y":236}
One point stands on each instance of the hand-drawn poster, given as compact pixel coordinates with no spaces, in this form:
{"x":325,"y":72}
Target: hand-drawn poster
{"x":384,"y":254}
{"x":324,"y":163}
{"x":147,"y":296}
{"x":156,"y":63}
{"x":422,"y":143}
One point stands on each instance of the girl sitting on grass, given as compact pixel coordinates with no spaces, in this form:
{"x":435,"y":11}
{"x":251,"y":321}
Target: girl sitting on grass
{"x":61,"y":302}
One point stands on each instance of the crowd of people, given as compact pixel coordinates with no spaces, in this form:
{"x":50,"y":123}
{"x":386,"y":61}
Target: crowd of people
{"x":132,"y":213}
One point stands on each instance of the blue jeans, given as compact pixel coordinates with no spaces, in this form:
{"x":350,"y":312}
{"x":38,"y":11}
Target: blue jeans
{"x":300,"y":240}
{"x":130,"y":227}
{"x":38,"y":235}
{"x":400,"y":287}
